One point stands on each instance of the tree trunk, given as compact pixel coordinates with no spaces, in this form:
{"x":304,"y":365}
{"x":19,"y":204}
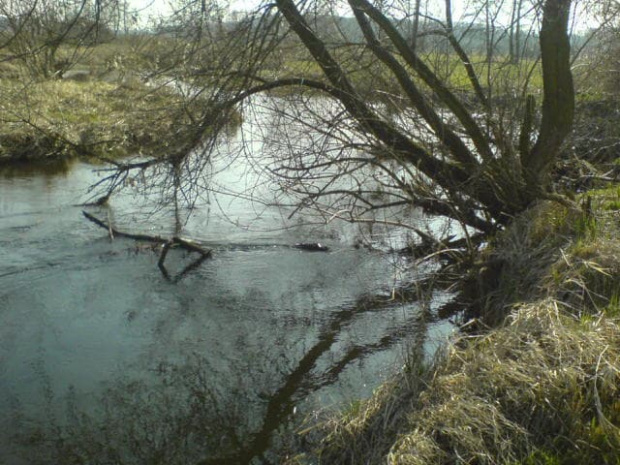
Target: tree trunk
{"x":517,"y":38}
{"x":511,"y":33}
{"x":415,"y":29}
{"x":558,"y":97}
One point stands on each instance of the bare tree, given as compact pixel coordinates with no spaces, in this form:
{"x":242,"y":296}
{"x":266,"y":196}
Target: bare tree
{"x":514,"y":37}
{"x":481,"y":187}
{"x":385,"y":127}
{"x":36,"y":30}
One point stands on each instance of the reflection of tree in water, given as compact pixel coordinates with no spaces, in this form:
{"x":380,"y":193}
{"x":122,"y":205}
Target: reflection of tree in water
{"x":175,"y":415}
{"x":183,"y":412}
{"x":47,"y":169}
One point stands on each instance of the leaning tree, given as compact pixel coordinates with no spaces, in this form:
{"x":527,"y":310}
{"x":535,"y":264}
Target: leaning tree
{"x":483,"y":177}
{"x":389,"y":123}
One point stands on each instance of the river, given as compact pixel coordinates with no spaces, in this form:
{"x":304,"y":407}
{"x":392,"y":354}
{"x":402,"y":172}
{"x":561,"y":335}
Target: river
{"x":104,"y":360}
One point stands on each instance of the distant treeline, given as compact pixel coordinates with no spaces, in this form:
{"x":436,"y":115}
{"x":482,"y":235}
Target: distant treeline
{"x":476,"y":38}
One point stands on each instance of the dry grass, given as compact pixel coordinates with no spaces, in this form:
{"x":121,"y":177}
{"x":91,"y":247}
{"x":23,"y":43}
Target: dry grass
{"x":545,"y":384}
{"x":367,"y":431}
{"x":61,"y":118}
{"x":542,"y":388}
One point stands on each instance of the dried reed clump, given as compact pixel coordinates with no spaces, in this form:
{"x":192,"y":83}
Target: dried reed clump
{"x":587,"y":277}
{"x":515,"y":266}
{"x":367,"y":431}
{"x":546,"y":384}
{"x":550,"y":250}
{"x":543,"y":387}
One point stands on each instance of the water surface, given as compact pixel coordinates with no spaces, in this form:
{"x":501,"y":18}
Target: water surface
{"x":104,"y":360}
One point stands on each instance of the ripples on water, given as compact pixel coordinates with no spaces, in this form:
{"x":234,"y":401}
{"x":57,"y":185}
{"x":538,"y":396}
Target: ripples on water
{"x":103,"y":360}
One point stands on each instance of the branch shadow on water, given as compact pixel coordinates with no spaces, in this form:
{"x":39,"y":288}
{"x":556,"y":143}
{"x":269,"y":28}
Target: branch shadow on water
{"x":175,"y":278}
{"x":182,"y":413}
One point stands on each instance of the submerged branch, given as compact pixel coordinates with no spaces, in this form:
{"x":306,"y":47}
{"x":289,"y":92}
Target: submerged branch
{"x":166,"y":245}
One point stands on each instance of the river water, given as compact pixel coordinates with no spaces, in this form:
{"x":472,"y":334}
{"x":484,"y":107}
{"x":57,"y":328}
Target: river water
{"x":104,"y":360}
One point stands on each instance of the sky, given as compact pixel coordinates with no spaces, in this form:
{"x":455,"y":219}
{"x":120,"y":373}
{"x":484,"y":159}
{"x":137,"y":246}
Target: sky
{"x":163,"y":5}
{"x":155,"y":7}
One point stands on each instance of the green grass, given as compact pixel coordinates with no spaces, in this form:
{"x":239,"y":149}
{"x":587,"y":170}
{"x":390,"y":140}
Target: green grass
{"x":366,"y":73}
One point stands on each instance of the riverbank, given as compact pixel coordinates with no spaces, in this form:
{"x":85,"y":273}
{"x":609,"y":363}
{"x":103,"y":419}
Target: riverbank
{"x":540,"y":387}
{"x":89,"y":119}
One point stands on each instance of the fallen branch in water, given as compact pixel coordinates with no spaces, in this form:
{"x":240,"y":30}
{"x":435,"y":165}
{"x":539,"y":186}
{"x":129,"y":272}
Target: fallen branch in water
{"x":136,"y":237}
{"x":166,"y":243}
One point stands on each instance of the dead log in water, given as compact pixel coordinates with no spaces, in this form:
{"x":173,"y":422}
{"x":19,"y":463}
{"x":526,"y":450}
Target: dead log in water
{"x":166,"y":243}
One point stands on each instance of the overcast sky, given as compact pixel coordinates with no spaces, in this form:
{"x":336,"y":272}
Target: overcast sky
{"x":154,"y":7}
{"x":164,"y":5}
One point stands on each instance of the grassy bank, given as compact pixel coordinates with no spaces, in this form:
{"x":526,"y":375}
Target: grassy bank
{"x":103,"y":107}
{"x":94,"y":118}
{"x":540,"y":387}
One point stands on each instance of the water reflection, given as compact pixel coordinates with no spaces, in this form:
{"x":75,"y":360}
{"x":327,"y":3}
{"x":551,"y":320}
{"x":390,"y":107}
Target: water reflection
{"x":190,"y":408}
{"x":104,"y":360}
{"x":174,"y":414}
{"x":47,"y":169}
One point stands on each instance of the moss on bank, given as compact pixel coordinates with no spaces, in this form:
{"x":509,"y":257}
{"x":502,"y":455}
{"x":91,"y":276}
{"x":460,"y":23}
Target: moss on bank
{"x":540,"y":388}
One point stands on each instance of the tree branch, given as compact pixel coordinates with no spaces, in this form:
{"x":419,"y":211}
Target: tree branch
{"x":431,"y":79}
{"x":454,"y":143}
{"x":559,"y":94}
